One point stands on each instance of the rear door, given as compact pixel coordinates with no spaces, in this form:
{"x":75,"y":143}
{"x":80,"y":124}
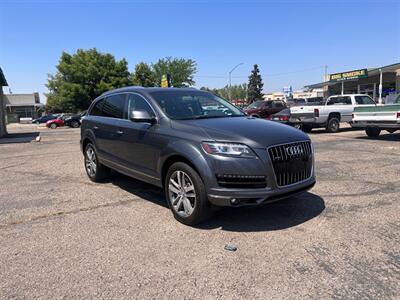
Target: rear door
{"x":113,"y":113}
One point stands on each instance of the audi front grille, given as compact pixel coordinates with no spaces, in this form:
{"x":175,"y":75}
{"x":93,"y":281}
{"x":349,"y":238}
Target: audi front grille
{"x":292,"y":162}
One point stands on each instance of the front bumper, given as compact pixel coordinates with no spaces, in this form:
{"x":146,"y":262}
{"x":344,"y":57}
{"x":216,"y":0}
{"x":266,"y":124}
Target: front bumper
{"x":262,"y":165}
{"x":252,"y":197}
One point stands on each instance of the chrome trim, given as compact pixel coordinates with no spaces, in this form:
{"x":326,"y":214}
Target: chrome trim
{"x":312,"y":164}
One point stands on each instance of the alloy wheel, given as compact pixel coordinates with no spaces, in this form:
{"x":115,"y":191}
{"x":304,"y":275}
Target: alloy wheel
{"x":91,"y":162}
{"x":182,"y":193}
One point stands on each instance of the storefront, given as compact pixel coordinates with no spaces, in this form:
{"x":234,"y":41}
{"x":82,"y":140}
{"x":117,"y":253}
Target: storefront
{"x":379,"y":83}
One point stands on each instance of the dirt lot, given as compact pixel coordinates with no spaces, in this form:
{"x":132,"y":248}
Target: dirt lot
{"x":62,"y":236}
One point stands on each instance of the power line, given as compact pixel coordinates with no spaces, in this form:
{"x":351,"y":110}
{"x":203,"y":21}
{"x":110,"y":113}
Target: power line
{"x":263,"y":75}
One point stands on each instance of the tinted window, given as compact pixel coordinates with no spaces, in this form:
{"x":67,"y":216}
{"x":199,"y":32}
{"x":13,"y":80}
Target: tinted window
{"x":97,"y":109}
{"x":345,"y":100}
{"x":136,"y":102}
{"x":363,"y":100}
{"x":278,"y":104}
{"x":194,"y":105}
{"x":114,"y":106}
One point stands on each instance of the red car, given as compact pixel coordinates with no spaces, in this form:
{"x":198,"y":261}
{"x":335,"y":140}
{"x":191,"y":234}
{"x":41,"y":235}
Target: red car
{"x":264,"y":109}
{"x":53,"y":124}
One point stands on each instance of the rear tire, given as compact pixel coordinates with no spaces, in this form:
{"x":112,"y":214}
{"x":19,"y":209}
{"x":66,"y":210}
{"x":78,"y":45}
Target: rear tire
{"x":186,"y":195}
{"x":333,"y":125}
{"x":94,"y":169}
{"x":306,"y":128}
{"x":372,"y":131}
{"x":75,"y":124}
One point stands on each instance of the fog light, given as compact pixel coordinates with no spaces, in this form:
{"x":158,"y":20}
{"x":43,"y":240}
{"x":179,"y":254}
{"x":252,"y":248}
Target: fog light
{"x":235,"y":201}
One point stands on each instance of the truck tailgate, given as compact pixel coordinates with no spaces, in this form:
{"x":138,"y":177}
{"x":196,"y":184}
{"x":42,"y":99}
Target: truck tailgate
{"x":376,"y":113}
{"x":301,"y":112}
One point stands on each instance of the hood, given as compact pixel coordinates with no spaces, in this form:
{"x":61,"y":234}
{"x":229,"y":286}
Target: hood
{"x":254,"y":132}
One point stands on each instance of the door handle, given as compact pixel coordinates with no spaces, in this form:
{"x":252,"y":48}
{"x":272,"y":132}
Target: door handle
{"x":119,"y":132}
{"x":95,"y":127}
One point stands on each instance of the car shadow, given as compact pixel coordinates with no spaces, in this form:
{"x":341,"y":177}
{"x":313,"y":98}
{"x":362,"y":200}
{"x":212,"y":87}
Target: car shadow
{"x":274,"y":216}
{"x":279,"y":215}
{"x":22,"y":137}
{"x":390,"y":137}
{"x":323,"y":130}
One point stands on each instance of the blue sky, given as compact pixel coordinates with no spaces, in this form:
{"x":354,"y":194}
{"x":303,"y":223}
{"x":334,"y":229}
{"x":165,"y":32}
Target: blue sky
{"x":295,"y":37}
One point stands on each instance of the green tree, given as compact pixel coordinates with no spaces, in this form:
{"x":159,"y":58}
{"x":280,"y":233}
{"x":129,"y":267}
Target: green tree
{"x":180,"y":69}
{"x":143,"y":75}
{"x":255,"y":85}
{"x":237,"y":91}
{"x":83,"y":76}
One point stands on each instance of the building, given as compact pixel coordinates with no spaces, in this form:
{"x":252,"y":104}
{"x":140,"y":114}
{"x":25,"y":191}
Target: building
{"x":3,"y":82}
{"x":296,"y":94}
{"x":22,"y":106}
{"x":376,"y":82}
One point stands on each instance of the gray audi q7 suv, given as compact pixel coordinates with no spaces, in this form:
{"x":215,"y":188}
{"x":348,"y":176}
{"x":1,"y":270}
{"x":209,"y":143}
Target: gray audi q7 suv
{"x":202,"y":150}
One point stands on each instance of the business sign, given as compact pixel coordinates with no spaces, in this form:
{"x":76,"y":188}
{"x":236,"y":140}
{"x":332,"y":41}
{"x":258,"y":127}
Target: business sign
{"x":287,"y":90}
{"x":166,"y":81}
{"x":363,"y":73}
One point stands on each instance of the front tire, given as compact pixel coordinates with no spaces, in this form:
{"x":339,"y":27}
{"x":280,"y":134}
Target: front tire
{"x":333,"y":125}
{"x":372,"y":131}
{"x":94,"y":169}
{"x":186,"y":195}
{"x":53,"y":125}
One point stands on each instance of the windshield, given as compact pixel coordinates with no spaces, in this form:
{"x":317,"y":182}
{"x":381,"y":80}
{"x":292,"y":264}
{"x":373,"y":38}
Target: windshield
{"x":256,"y":104}
{"x":186,"y":105}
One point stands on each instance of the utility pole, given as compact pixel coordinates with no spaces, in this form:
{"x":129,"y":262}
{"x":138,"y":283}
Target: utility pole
{"x":230,"y":80}
{"x":326,"y":73}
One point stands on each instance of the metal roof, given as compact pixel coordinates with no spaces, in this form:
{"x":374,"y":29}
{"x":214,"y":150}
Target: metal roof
{"x":371,"y":72}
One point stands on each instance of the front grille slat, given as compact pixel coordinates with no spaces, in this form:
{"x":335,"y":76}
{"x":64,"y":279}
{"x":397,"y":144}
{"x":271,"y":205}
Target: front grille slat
{"x":292,"y":162}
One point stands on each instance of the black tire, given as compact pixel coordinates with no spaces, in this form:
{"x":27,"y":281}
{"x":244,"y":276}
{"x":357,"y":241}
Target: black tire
{"x":202,"y":208}
{"x":53,"y":126}
{"x":101,"y":172}
{"x":75,"y":124}
{"x":37,"y":123}
{"x":333,"y":125}
{"x":372,"y":131}
{"x":306,"y":128}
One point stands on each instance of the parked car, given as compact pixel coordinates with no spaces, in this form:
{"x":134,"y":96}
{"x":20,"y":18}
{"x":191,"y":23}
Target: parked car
{"x":336,"y":109}
{"x":53,"y":124}
{"x":263,"y":109}
{"x":201,"y":158}
{"x":44,"y":119}
{"x":283,"y":117}
{"x":374,"y":119}
{"x":73,"y":121}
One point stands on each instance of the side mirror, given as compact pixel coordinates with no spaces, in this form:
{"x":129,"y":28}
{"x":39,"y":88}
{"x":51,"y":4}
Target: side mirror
{"x":142,"y":116}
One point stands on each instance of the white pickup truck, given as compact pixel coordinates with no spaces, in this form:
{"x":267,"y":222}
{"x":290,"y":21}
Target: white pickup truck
{"x":337,"y":109}
{"x":381,"y":117}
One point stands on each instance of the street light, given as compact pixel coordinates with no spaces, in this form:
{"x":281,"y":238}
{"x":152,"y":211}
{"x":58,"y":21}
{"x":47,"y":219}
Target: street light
{"x":230,"y":79}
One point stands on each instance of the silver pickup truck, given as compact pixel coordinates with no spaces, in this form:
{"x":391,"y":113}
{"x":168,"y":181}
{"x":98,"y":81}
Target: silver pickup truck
{"x":337,"y":109}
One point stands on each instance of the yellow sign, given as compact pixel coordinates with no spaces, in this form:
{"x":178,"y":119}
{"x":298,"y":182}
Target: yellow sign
{"x":165,"y":81}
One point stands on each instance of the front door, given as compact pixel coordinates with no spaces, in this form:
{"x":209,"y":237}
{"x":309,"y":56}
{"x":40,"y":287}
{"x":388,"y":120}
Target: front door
{"x":140,"y":143}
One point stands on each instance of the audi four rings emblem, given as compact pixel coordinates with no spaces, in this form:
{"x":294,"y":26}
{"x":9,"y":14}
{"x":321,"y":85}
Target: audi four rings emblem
{"x":294,"y":150}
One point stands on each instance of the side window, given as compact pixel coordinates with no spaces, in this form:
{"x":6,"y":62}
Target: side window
{"x":346,"y":100}
{"x":136,"y":102}
{"x":364,"y":100}
{"x":114,"y":106}
{"x":97,"y":109}
{"x":278,"y":104}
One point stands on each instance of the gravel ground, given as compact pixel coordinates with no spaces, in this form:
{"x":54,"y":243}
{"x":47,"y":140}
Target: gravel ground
{"x":62,"y":236}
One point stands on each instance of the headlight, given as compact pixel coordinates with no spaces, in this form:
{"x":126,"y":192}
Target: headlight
{"x":227,"y":149}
